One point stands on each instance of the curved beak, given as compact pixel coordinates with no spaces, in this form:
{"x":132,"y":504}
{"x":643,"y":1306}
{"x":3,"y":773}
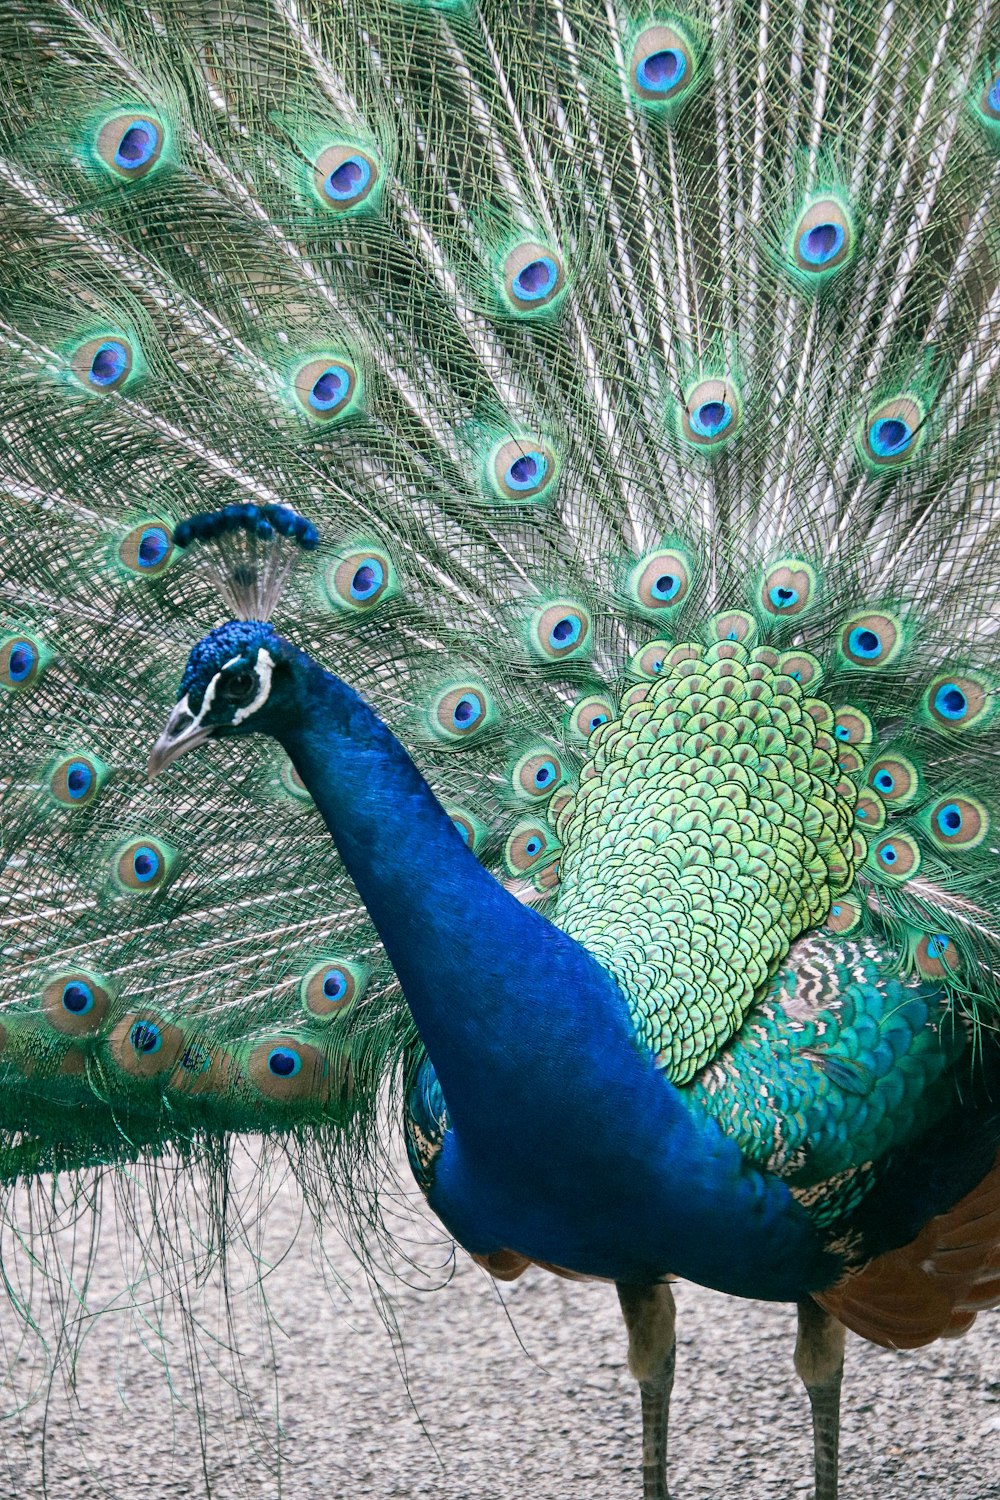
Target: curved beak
{"x":182,"y":733}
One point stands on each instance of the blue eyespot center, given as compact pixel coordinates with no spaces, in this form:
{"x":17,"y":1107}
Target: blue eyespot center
{"x":783,"y":597}
{"x":887,"y":854}
{"x":884,"y":781}
{"x":662,"y":71}
{"x":330,"y":388}
{"x":565,"y":632}
{"x":666,"y":587}
{"x":79,"y":779}
{"x":283,"y":1062}
{"x":526,"y":472}
{"x":21,"y":660}
{"x":865,"y":643}
{"x":146,"y":1037}
{"x":711,"y":418}
{"x":154,"y":544}
{"x":938,"y":945}
{"x":950,"y":701}
{"x":145,"y":863}
{"x":949,"y":819}
{"x":368,"y":579}
{"x":545,"y":774}
{"x":533,"y":847}
{"x":467,"y":710}
{"x":890,"y":436}
{"x":348,"y":179}
{"x":841,"y":732}
{"x":78,"y":998}
{"x":820,"y":244}
{"x":835,"y":911}
{"x":994,"y":96}
{"x":137,"y":145}
{"x":536,"y":279}
{"x":109,"y":363}
{"x":334,"y":984}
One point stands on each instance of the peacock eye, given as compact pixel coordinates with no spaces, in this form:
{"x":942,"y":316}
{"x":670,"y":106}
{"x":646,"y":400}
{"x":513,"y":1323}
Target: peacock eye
{"x":238,"y":687}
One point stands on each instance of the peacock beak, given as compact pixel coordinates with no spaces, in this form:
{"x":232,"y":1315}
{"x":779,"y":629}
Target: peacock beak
{"x":183,"y":732}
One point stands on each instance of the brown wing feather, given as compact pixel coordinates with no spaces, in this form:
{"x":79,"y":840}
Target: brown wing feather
{"x":934,"y":1287}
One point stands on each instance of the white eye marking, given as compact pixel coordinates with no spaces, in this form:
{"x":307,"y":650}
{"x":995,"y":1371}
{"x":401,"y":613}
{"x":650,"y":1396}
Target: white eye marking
{"x":265,"y":667}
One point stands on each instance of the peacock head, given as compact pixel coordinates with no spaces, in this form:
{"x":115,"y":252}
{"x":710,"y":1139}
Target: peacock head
{"x":238,"y":679}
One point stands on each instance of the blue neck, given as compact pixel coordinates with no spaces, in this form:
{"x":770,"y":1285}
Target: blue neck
{"x":475,"y":964}
{"x":565,"y":1142}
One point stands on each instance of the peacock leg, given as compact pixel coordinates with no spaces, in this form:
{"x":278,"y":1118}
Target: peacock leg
{"x":650,"y":1314}
{"x":819,"y":1360}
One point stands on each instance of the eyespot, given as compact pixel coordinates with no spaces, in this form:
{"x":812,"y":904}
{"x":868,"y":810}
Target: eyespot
{"x":21,"y":662}
{"x":852,"y":727}
{"x":801,"y":667}
{"x":788,"y":588}
{"x":103,"y":364}
{"x":145,"y":1045}
{"x":530,"y":845}
{"x":76,"y":780}
{"x":345,"y":176}
{"x":470,"y":829}
{"x":293,"y":783}
{"x":533,"y":277}
{"x":130,"y":145}
{"x":823,"y":238}
{"x":845,"y":915}
{"x":869,"y":811}
{"x":142,"y":865}
{"x":325,"y":387}
{"x":660,"y":581}
{"x":958,"y":701}
{"x":588,"y":714}
{"x":663,"y":65}
{"x":957,"y":822}
{"x":711,"y":414}
{"x":361,"y":579}
{"x":148,"y":549}
{"x":733,"y":625}
{"x":521,"y":469}
{"x":560,"y":629}
{"x":75,"y":1002}
{"x":461,"y":711}
{"x":893,"y":432}
{"x":288,"y":1070}
{"x":895,"y":779}
{"x":537,"y":774}
{"x":650,"y":661}
{"x":896,"y":856}
{"x":936,"y":955}
{"x":871,"y":639}
{"x":330,"y":987}
{"x":989,"y":95}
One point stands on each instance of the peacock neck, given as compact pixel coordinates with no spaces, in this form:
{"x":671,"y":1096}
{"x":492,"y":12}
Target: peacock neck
{"x":485,"y":976}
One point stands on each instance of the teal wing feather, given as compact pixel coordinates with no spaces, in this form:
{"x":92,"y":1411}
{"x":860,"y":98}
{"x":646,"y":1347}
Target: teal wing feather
{"x":843,"y":1062}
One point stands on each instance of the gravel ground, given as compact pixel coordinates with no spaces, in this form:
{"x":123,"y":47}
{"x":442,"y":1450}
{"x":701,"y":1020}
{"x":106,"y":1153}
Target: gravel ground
{"x":512,"y":1392}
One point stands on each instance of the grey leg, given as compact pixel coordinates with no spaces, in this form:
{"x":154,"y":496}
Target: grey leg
{"x":819,"y":1361}
{"x":650,"y":1314}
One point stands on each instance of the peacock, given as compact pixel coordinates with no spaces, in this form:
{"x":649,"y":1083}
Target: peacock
{"x":543,"y":459}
